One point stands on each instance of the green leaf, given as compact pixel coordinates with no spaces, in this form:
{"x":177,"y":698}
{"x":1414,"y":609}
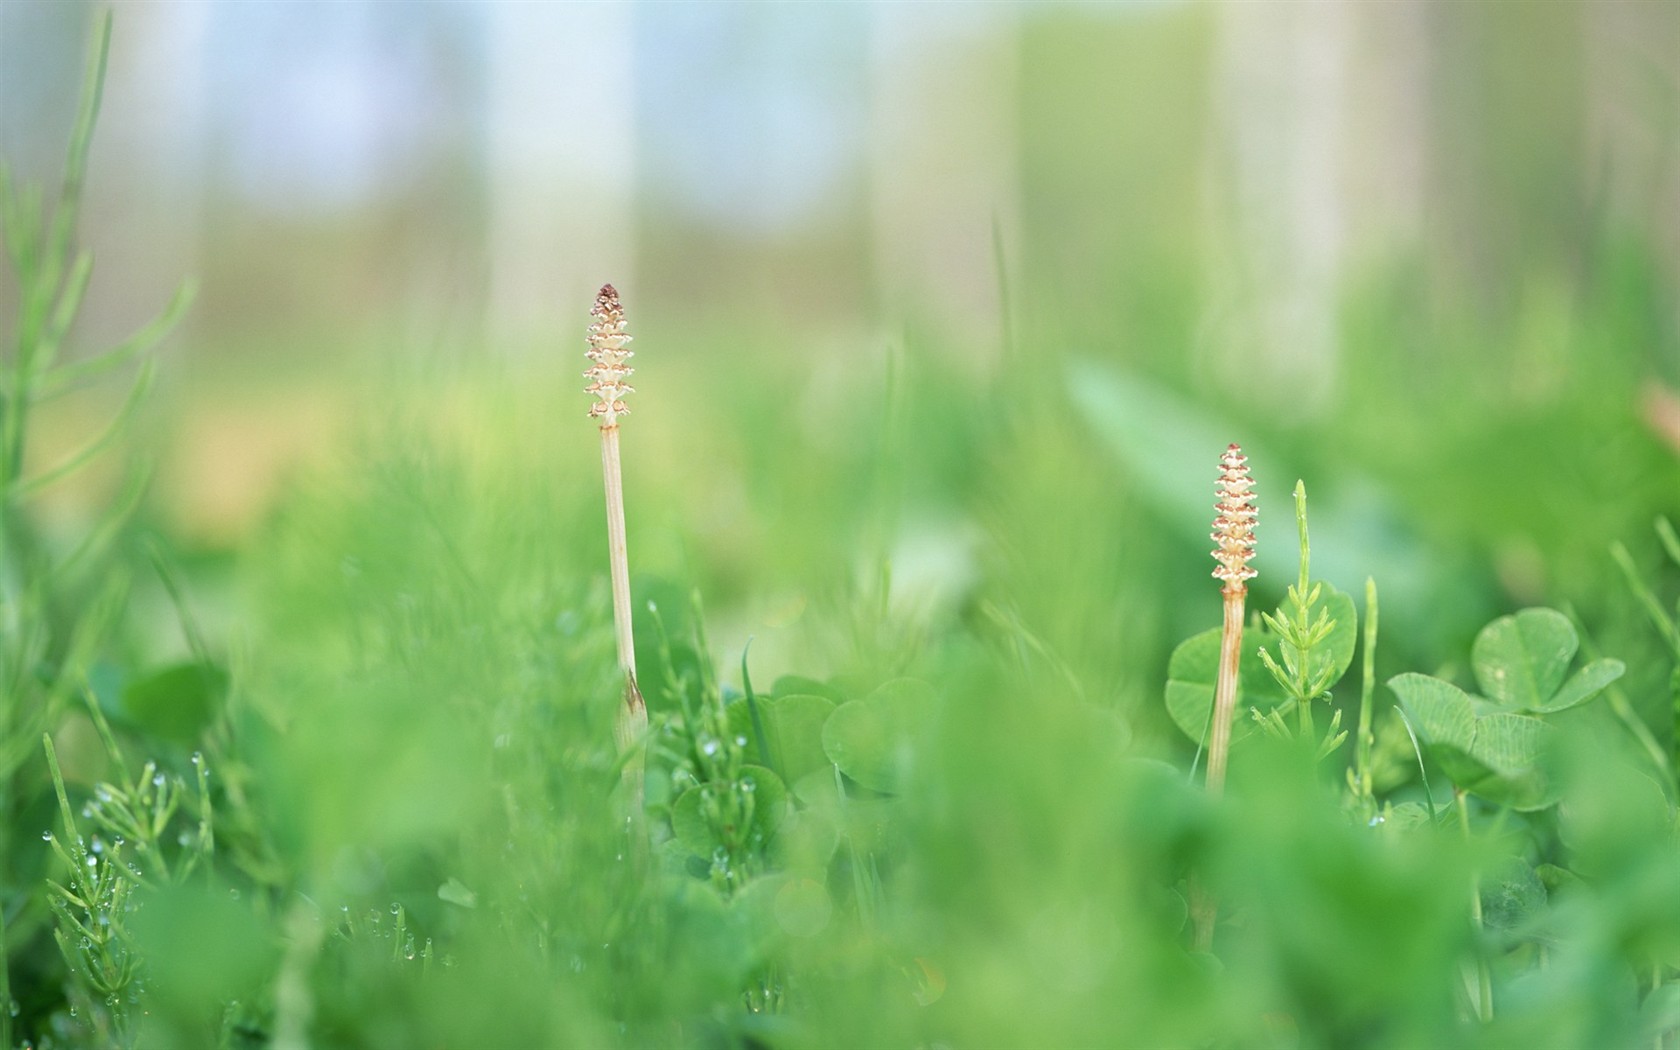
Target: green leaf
{"x":1498,"y":756}
{"x":791,"y":684}
{"x":1193,"y":670}
{"x":793,"y":730}
{"x":772,"y":798}
{"x":689,"y":823}
{"x":1585,"y":684}
{"x":1509,"y":744}
{"x":1512,"y":895}
{"x":873,"y":740}
{"x":176,"y":703}
{"x":1441,"y":711}
{"x":1520,"y":660}
{"x":806,"y":842}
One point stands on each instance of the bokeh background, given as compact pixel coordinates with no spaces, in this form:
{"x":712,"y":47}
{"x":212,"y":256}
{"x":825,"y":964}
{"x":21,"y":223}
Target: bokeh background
{"x":944,"y":314}
{"x":1424,"y":255}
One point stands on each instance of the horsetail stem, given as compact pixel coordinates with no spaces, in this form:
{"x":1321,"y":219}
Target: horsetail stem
{"x":608,"y":374}
{"x":1233,"y":536}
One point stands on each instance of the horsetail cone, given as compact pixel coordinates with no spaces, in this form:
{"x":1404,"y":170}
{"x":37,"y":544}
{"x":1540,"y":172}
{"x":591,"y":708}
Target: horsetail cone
{"x":607,"y":349}
{"x":608,"y":374}
{"x":1233,"y":529}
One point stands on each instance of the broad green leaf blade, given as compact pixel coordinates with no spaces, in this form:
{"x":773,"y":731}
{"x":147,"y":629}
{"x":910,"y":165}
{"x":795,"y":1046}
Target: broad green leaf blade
{"x":1585,"y":684}
{"x":1520,"y":660}
{"x":1511,"y":744}
{"x":1516,"y":748}
{"x":1441,"y":711}
{"x":793,"y":726}
{"x":873,"y":740}
{"x":772,"y":798}
{"x":688,"y":821}
{"x":1193,"y":670}
{"x":176,"y":703}
{"x":1345,"y":636}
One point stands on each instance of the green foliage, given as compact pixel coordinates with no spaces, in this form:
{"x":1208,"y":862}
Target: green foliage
{"x":956,"y":827}
{"x":873,"y":740}
{"x":1304,"y":648}
{"x":1498,"y":746}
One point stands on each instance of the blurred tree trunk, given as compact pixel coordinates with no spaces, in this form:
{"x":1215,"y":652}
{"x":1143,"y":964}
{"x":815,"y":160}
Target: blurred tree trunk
{"x":560,"y":119}
{"x":1281,"y":171}
{"x":944,"y":170}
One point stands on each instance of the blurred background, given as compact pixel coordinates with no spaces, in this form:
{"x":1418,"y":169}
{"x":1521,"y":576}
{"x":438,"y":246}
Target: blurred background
{"x":943,"y":315}
{"x":1423,"y":253}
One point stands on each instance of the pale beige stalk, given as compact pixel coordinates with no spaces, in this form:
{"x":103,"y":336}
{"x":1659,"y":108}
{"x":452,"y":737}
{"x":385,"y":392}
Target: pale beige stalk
{"x":609,"y":375}
{"x":1233,"y":532}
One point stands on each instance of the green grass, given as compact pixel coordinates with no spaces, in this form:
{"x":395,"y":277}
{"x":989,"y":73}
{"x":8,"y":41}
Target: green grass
{"x":950,"y":794}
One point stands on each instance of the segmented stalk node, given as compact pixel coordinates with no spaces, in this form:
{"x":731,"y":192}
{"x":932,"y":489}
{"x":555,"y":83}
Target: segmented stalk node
{"x":610,"y":372}
{"x":1233,"y":529}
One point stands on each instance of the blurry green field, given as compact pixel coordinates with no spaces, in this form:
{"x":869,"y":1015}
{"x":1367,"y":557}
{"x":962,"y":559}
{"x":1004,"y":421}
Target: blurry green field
{"x":315,"y":748}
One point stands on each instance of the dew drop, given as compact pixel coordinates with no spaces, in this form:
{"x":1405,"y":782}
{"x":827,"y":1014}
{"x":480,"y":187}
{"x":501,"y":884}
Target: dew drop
{"x":92,"y":861}
{"x":396,"y":909}
{"x":198,"y":758}
{"x":708,"y":747}
{"x":233,"y":894}
{"x":46,"y":836}
{"x":740,"y":741}
{"x":157,"y":780}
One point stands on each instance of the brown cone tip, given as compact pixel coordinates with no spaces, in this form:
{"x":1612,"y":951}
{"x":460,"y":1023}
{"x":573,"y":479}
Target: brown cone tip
{"x":1233,"y":529}
{"x":606,"y":301}
{"x":609,"y":354}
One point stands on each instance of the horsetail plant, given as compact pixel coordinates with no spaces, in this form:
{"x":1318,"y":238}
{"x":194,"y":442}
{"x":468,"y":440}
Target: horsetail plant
{"x":608,"y":375}
{"x":1233,"y":534}
{"x":1308,"y":667}
{"x":57,"y":604}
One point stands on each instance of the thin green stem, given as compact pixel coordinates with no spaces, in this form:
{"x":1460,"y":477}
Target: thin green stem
{"x":5,"y":985}
{"x":1365,"y":739}
{"x":1484,"y":977}
{"x":1301,"y":526}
